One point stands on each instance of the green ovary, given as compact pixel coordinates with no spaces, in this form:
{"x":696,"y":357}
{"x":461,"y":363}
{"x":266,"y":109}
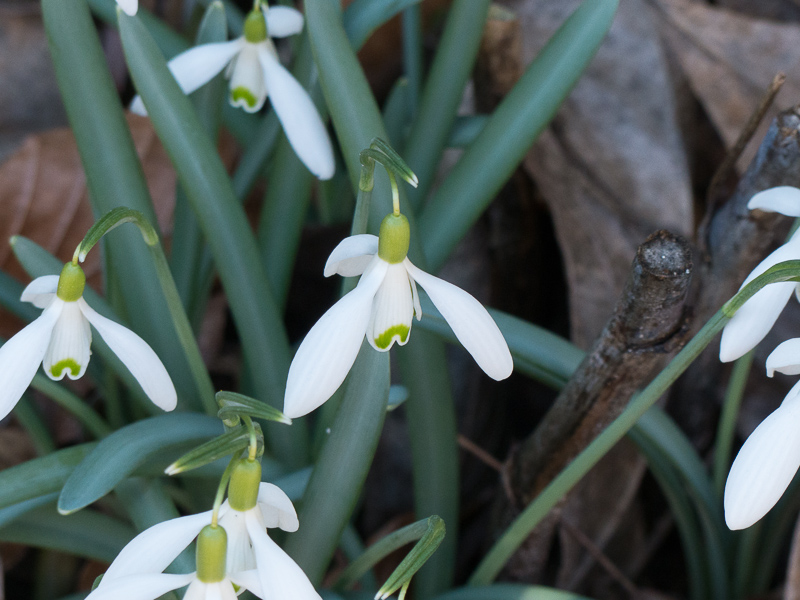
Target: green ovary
{"x":67,"y":363}
{"x":242,"y":93}
{"x":384,"y":340}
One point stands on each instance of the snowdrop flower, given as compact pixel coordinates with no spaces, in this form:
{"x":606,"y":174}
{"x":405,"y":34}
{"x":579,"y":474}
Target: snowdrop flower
{"x":755,"y":318}
{"x":129,"y":7}
{"x":251,"y":508}
{"x":60,"y":339}
{"x":382,"y":307}
{"x":770,"y":457}
{"x":210,"y":582}
{"x":255,"y":73}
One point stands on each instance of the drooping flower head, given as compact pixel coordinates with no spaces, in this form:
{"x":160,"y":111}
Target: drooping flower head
{"x":755,"y":318}
{"x":252,"y":559}
{"x":382,"y":307}
{"x":60,"y":340}
{"x":255,"y":74}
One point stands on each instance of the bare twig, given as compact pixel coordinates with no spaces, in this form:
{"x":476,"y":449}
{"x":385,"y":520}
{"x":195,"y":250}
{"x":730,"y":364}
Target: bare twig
{"x":479,"y":453}
{"x":726,"y":168}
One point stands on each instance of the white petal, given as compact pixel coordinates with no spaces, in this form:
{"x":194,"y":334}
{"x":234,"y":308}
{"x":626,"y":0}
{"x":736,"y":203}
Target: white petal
{"x":282,"y":21}
{"x":785,"y":358}
{"x":757,"y":316}
{"x":140,"y":587}
{"x":214,"y":589}
{"x":248,"y":580}
{"x":21,"y":356}
{"x":129,"y":6}
{"x":196,"y":590}
{"x":352,"y":255}
{"x":69,"y":349}
{"x":330,"y":348}
{"x":765,"y":465}
{"x":276,"y":508}
{"x":40,"y":291}
{"x":280,"y":576}
{"x":247,"y":89}
{"x":155,"y":548}
{"x":392,"y":310}
{"x":470,"y":322}
{"x":240,"y":552}
{"x":783,"y":199}
{"x":299,"y":117}
{"x":197,"y":66}
{"x":135,"y":354}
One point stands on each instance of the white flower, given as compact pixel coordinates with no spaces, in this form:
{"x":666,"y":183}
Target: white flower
{"x":755,"y":318}
{"x":60,"y":339}
{"x":382,"y":306}
{"x":255,"y":73}
{"x":129,"y":6}
{"x":254,"y":561}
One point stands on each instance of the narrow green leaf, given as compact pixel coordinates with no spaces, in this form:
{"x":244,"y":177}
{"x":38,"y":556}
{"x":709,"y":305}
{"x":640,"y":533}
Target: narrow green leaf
{"x":510,"y":131}
{"x":40,"y":476}
{"x":443,"y":91}
{"x":224,"y":225}
{"x":13,"y":512}
{"x":10,"y":292}
{"x":89,"y":534}
{"x":340,"y":472}
{"x":362,"y":17}
{"x":121,"y":453}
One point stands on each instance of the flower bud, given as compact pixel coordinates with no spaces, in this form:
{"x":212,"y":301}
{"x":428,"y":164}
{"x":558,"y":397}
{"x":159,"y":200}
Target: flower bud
{"x":394,"y":238}
{"x":243,"y":488}
{"x":212,"y":552}
{"x":71,"y":283}
{"x":255,"y":27}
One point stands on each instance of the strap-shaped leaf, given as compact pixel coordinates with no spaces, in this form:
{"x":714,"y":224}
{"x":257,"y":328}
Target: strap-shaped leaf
{"x":121,"y":453}
{"x":40,"y":476}
{"x":88,"y":533}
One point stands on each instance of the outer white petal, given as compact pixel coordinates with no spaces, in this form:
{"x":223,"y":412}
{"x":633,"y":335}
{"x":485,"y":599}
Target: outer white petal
{"x":70,"y":345}
{"x":352,"y":255}
{"x":765,"y":465}
{"x":276,"y":508}
{"x":392,"y":310}
{"x":783,"y":199}
{"x":135,"y":354}
{"x":197,"y":66}
{"x":785,"y":358}
{"x":282,"y":21}
{"x":470,"y":322}
{"x":240,"y":552}
{"x":129,"y":6}
{"x":40,"y":291}
{"x":330,"y":348}
{"x":757,"y":316}
{"x":155,"y":548}
{"x":248,"y":580}
{"x":21,"y":356}
{"x":299,"y":117}
{"x":280,"y":576}
{"x":140,"y":587}
{"x":247,"y":89}
{"x":415,"y":297}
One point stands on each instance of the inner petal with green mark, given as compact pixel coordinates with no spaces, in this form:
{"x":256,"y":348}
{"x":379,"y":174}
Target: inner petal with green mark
{"x":248,"y":90}
{"x":69,"y":349}
{"x":392,"y":310}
